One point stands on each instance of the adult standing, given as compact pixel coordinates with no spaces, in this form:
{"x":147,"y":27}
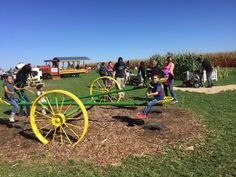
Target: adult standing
{"x":169,"y":67}
{"x":98,"y":67}
{"x":206,"y":65}
{"x":20,"y":82}
{"x":120,"y":74}
{"x":155,"y":70}
{"x":142,"y":70}
{"x":1,"y":73}
{"x":127,"y":64}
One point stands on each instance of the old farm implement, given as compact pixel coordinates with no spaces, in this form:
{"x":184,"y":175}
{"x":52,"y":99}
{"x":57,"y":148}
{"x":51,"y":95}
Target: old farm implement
{"x":60,"y":116}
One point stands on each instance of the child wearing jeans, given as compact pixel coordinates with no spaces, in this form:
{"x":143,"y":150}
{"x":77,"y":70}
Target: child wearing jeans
{"x":157,"y":93}
{"x":8,"y":86}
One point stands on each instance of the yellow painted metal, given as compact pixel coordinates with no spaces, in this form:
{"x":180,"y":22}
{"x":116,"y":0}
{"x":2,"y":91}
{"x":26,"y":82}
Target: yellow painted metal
{"x":72,"y":71}
{"x":56,"y":118}
{"x":98,"y":86}
{"x":3,"y":101}
{"x":167,"y":99}
{"x":163,"y":79}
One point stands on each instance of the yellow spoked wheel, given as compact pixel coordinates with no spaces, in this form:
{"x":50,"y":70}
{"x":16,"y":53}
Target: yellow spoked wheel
{"x":167,"y":99}
{"x":103,"y":85}
{"x":58,"y":116}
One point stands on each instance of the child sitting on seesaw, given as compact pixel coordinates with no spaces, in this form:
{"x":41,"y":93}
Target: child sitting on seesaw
{"x":158,"y":94}
{"x":9,"y":87}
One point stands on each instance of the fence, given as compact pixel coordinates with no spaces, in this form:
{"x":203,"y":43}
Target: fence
{"x":214,"y":75}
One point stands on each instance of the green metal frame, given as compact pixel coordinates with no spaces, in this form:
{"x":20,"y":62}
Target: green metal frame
{"x":93,"y":102}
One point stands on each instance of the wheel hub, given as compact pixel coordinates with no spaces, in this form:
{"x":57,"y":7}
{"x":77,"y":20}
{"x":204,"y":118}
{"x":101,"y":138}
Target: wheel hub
{"x":58,"y":120}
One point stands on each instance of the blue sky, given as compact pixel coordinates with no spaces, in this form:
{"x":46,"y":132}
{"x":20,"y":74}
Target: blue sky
{"x":31,"y":31}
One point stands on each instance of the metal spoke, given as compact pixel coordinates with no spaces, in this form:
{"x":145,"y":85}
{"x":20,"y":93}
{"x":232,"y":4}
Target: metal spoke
{"x":54,"y":134}
{"x":49,"y":104}
{"x":42,"y":114}
{"x":40,"y":120}
{"x":100,"y":85}
{"x":75,"y":110}
{"x":101,"y":98}
{"x":72,"y":125}
{"x":100,"y":91}
{"x":66,"y":135}
{"x":45,"y":126}
{"x":96,"y":86}
{"x":110,"y":98}
{"x":113,"y":85}
{"x":57,"y":104}
{"x":113,"y":97}
{"x":73,"y":118}
{"x":72,"y":131}
{"x":61,"y":134}
{"x":62,"y":103}
{"x":48,"y":133}
{"x":104,"y":85}
{"x":45,"y":107}
{"x":67,"y":108}
{"x":106,"y":98}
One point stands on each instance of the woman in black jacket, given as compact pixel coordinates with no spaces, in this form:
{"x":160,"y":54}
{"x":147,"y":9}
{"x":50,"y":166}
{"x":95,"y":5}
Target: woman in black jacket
{"x":142,"y":70}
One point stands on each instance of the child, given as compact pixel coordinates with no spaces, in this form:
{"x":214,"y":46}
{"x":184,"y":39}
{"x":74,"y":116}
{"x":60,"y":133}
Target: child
{"x":40,"y":91}
{"x":102,"y":70}
{"x":8,"y":86}
{"x":109,"y":72}
{"x":109,"y":69}
{"x":157,"y":93}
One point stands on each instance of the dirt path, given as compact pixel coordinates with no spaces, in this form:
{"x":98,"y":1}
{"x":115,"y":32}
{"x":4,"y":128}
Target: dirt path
{"x":213,"y":90}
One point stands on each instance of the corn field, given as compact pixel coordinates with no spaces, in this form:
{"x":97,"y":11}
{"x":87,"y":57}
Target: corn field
{"x":185,"y":61}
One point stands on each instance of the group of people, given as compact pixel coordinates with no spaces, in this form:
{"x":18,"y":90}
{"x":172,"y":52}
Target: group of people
{"x":10,"y":86}
{"x":168,"y":72}
{"x":118,"y":72}
{"x":156,"y":86}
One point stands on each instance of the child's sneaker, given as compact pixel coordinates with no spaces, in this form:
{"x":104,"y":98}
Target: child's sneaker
{"x":142,"y":115}
{"x":44,"y":112}
{"x":174,"y":101}
{"x":11,"y":119}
